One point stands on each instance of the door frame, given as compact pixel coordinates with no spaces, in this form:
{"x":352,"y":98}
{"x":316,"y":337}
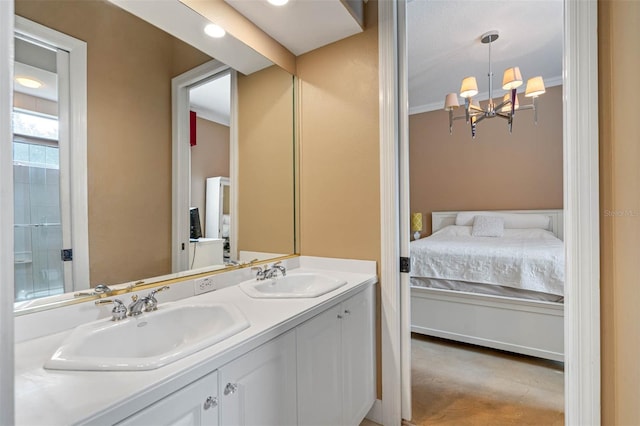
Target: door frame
{"x":581,"y":212}
{"x":73,"y":155}
{"x":6,"y":216}
{"x":181,"y":159}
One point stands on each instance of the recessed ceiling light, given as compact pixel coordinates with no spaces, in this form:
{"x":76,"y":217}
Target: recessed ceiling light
{"x":215,"y":31}
{"x":29,"y":82}
{"x":278,"y":2}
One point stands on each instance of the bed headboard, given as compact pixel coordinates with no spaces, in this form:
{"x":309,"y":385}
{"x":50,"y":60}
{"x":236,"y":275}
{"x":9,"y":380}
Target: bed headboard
{"x":556,"y":223}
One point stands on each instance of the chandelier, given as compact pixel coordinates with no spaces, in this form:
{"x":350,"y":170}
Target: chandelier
{"x":511,"y":80}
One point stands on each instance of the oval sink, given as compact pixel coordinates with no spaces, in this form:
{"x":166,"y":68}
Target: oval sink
{"x":293,"y":285}
{"x":148,"y":341}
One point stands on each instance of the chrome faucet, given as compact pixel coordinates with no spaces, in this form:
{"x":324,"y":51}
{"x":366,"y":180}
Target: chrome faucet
{"x":260,"y":273}
{"x":147,"y":303}
{"x":137,"y":306}
{"x":278,"y":267}
{"x":269,"y":271}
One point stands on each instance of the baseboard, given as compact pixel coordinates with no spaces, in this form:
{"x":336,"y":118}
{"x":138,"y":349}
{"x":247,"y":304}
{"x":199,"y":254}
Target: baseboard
{"x":375,"y":414}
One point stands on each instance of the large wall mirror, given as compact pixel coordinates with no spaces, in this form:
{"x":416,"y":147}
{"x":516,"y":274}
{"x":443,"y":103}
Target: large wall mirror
{"x":130,"y":65}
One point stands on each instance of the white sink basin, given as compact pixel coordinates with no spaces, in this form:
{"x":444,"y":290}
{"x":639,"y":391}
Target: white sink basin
{"x":293,"y":285}
{"x":148,"y":341}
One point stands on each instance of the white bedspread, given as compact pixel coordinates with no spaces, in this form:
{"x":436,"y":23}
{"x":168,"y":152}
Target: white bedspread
{"x":530,"y":259}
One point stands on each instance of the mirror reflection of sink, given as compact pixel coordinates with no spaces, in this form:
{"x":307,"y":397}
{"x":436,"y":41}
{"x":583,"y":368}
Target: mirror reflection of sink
{"x":293,"y":285}
{"x":148,"y":341}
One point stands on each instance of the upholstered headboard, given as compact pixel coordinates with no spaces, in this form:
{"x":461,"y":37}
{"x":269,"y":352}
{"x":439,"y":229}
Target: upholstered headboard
{"x":556,"y":223}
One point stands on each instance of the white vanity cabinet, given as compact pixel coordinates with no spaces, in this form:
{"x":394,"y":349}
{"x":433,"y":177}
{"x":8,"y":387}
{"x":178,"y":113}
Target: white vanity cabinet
{"x":336,"y":368}
{"x":259,"y":388}
{"x":321,"y":372}
{"x":194,"y":405}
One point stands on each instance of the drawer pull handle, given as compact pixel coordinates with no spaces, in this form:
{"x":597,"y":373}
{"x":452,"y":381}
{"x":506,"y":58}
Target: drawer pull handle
{"x":230,"y":389}
{"x":211,"y":402}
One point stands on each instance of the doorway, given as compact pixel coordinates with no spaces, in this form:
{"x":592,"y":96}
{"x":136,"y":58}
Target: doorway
{"x":581,"y":230}
{"x":197,"y":83}
{"x":49,"y":163}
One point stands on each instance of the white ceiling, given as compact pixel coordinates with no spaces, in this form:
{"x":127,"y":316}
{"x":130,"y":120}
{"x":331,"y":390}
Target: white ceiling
{"x":300,"y":25}
{"x":443,"y":40}
{"x":49,"y":80}
{"x":444,"y":45}
{"x":212,"y":100}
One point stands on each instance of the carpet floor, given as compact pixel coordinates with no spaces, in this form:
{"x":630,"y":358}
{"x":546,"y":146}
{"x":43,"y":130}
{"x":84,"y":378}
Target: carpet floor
{"x":458,"y":384}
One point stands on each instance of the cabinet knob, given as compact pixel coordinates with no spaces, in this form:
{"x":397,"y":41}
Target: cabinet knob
{"x":210,"y":402}
{"x":339,"y":316}
{"x":231,"y":388}
{"x":347,"y":312}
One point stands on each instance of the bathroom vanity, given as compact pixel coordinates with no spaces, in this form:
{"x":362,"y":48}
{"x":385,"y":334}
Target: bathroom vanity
{"x":300,"y":361}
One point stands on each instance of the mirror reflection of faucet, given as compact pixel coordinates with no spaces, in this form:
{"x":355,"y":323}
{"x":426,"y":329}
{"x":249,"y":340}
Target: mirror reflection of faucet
{"x":99,"y":289}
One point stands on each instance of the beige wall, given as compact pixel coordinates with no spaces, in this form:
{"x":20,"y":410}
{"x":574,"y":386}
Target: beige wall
{"x":130,"y":66}
{"x":619,"y":57}
{"x":265,"y":161}
{"x":494,"y":171}
{"x":209,"y":158}
{"x":339,"y":157}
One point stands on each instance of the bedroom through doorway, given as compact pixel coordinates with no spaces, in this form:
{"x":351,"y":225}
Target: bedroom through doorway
{"x":487,"y":331}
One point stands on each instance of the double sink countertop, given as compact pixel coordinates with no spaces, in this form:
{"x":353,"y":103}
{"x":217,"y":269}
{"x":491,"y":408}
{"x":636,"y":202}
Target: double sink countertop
{"x":61,"y":397}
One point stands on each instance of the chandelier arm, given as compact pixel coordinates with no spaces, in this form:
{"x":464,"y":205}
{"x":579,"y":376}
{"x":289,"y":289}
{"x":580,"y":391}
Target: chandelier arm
{"x":479,"y":119}
{"x":513,"y":102}
{"x":503,"y":115}
{"x":503,"y":104}
{"x":473,"y":127}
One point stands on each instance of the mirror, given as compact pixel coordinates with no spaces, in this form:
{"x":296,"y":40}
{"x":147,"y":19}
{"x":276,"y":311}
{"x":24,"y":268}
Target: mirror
{"x":130,"y":64}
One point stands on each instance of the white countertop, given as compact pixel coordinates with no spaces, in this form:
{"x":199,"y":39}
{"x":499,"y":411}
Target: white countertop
{"x":56,"y":397}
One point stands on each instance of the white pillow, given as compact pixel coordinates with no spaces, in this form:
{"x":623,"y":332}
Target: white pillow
{"x":488,"y":226}
{"x":511,"y":220}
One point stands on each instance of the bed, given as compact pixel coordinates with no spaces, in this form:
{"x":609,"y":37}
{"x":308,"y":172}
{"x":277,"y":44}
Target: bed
{"x":498,"y":284}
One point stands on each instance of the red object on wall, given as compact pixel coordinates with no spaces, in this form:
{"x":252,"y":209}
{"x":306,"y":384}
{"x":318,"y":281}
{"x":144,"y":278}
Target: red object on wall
{"x":192,"y":127}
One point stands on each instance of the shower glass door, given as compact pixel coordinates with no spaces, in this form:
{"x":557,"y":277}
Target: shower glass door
{"x":39,"y":269}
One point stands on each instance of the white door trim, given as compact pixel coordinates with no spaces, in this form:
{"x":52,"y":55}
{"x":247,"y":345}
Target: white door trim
{"x":181,"y":158}
{"x":389,"y":215}
{"x":77,"y":134}
{"x":581,"y":204}
{"x":6,"y":216}
{"x":581,"y":214}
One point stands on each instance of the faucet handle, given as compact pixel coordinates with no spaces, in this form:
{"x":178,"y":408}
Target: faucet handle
{"x":150,"y":302}
{"x":118,"y":312}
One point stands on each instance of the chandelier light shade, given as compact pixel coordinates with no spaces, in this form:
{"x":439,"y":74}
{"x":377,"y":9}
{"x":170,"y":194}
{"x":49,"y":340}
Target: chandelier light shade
{"x":469,"y":87}
{"x":511,"y":81}
{"x":451,"y":102}
{"x":535,"y":87}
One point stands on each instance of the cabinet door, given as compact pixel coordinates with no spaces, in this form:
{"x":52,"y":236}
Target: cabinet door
{"x":259,"y":388}
{"x":320,"y":369}
{"x":195,"y":404}
{"x":358,"y":356}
